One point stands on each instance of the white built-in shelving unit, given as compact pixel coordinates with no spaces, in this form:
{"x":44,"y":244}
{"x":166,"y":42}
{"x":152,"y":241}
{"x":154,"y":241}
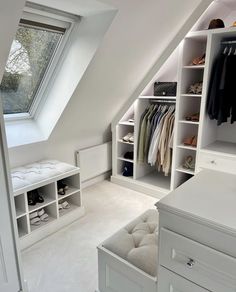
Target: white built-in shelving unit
{"x":29,"y":234}
{"x":216,"y":145}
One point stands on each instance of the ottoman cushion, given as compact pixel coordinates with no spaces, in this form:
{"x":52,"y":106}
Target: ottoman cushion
{"x":137,"y":242}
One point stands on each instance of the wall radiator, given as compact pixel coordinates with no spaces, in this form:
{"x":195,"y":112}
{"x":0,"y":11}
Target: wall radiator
{"x":94,"y":161}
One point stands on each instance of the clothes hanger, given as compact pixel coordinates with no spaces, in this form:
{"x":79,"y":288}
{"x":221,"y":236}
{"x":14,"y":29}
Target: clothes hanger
{"x":230,"y":51}
{"x":225,"y":50}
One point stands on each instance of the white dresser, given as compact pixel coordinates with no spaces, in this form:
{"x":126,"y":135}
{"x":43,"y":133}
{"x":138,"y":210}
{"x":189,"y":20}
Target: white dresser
{"x":197,"y":241}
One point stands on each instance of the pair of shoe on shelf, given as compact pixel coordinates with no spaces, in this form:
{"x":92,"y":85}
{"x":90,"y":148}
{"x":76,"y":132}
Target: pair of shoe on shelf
{"x":189,"y":163}
{"x":195,"y":88}
{"x":38,"y":216}
{"x":62,"y":188}
{"x":34,"y":197}
{"x":198,"y":61}
{"x":129,"y":138}
{"x":190,"y":141}
{"x":63,"y":205}
{"x":193,"y":117}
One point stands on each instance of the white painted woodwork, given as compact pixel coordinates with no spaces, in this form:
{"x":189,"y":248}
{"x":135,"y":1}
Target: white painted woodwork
{"x":198,"y":232}
{"x":30,"y":234}
{"x":171,"y":282}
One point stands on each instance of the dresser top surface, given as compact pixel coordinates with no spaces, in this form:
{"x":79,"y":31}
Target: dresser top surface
{"x":210,"y":197}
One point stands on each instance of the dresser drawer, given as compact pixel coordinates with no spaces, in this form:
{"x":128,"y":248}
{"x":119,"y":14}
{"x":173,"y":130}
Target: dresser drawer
{"x":217,"y":162}
{"x":198,"y":263}
{"x":170,"y":282}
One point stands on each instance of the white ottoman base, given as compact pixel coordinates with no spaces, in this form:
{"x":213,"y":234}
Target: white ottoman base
{"x":117,"y":275}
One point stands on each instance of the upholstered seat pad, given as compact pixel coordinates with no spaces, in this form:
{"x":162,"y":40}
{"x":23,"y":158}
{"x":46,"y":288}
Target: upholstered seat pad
{"x":36,"y":172}
{"x":137,"y":242}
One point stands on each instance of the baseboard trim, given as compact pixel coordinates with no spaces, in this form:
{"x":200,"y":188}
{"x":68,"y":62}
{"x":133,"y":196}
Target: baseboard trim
{"x":95,"y":180}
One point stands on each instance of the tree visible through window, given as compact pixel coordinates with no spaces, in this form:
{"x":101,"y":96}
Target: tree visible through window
{"x":30,"y":56}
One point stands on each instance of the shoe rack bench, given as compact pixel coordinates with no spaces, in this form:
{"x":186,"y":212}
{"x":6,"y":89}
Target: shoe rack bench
{"x":47,"y":186}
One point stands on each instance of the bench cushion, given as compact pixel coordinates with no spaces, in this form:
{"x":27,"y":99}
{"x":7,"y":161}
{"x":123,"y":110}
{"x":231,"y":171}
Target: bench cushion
{"x":137,"y":242}
{"x":36,"y":172}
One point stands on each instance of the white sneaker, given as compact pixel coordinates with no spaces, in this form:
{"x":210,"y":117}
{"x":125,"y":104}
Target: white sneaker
{"x":127,"y":137}
{"x":131,"y":138}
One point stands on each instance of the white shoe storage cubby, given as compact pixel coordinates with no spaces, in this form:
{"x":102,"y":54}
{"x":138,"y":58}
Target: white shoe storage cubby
{"x":29,"y":233}
{"x":216,"y":145}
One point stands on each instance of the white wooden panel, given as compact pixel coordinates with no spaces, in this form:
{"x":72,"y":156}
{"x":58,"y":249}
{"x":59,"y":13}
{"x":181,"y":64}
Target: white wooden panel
{"x":170,"y":282}
{"x":202,"y":265}
{"x":94,"y":161}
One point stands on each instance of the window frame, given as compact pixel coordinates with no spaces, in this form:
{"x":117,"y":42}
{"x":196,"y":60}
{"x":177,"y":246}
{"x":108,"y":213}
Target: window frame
{"x":51,"y":17}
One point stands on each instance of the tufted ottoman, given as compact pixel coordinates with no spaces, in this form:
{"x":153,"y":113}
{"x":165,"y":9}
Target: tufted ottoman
{"x":127,"y":261}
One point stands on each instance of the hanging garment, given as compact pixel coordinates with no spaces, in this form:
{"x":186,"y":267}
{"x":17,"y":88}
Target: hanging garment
{"x":221,"y":104}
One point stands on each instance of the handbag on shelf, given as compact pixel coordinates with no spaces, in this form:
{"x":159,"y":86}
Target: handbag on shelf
{"x":165,"y":88}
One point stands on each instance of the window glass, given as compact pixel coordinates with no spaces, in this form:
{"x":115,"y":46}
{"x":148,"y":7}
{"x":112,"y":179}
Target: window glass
{"x":31,"y":53}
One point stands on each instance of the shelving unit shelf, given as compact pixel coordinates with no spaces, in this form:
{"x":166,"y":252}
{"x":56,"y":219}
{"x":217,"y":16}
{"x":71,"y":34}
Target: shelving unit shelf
{"x":47,"y":188}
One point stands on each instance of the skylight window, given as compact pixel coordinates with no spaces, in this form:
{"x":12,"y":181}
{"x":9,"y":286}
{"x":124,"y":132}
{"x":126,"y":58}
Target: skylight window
{"x":32,"y":60}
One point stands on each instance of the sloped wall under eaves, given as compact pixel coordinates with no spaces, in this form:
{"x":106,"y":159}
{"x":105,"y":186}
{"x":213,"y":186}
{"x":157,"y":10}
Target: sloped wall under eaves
{"x":137,"y":37}
{"x":223,"y":9}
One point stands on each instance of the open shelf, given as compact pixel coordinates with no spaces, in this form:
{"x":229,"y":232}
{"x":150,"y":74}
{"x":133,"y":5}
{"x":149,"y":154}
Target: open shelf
{"x":221,"y":147}
{"x":157,"y":179}
{"x":123,"y":142}
{"x":125,"y":159}
{"x":20,"y":205}
{"x":185,"y":170}
{"x":191,"y":95}
{"x":126,"y":123}
{"x":182,"y":146}
{"x":157,"y":97}
{"x":188,"y":122}
{"x":194,"y":67}
{"x":47,"y":201}
{"x":22,"y":226}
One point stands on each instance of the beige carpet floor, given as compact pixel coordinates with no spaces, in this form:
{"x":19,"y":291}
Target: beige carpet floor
{"x":67,"y":260}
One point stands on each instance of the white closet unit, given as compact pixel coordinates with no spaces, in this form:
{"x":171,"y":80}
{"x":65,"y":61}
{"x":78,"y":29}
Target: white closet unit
{"x":216,"y":145}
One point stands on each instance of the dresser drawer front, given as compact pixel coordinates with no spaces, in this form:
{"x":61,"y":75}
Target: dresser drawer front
{"x":198,"y":263}
{"x":170,"y":282}
{"x":217,"y":162}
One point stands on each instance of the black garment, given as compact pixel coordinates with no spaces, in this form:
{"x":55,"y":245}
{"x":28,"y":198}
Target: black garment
{"x":221,"y":103}
{"x":214,"y":87}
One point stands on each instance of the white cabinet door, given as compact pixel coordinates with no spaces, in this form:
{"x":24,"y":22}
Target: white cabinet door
{"x":9,"y":267}
{"x":171,"y":282}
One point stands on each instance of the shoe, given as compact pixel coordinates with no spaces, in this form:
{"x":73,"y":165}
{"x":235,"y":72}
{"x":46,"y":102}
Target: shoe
{"x":43,"y":216}
{"x":128,"y":138}
{"x":63,"y":205}
{"x":31,"y":198}
{"x":189,"y":163}
{"x":62,"y":187}
{"x":34,"y":218}
{"x":188,"y":141}
{"x":129,"y":155}
{"x":193,"y":118}
{"x":194,"y":142}
{"x":196,"y":88}
{"x":198,"y":61}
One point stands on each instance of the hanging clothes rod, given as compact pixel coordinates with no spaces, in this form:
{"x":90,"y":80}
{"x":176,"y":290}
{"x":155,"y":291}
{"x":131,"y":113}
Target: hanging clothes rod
{"x":228,"y":42}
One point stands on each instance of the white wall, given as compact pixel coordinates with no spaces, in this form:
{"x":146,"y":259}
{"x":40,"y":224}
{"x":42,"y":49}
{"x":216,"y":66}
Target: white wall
{"x":137,"y":36}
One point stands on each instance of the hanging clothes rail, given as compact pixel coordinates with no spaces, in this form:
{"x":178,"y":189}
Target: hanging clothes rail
{"x":228,"y":42}
{"x":155,"y":101}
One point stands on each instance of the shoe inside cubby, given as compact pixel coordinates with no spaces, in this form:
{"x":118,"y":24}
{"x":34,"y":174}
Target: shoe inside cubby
{"x":69,"y":204}
{"x":125,"y":168}
{"x":194,"y":47}
{"x":186,"y":161}
{"x":68,"y":186}
{"x":187,"y":132}
{"x":123,"y":131}
{"x":22,"y":226}
{"x":125,"y":150}
{"x":47,"y":192}
{"x":51,"y":211}
{"x":189,"y":108}
{"x":20,"y":205}
{"x":191,"y":78}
